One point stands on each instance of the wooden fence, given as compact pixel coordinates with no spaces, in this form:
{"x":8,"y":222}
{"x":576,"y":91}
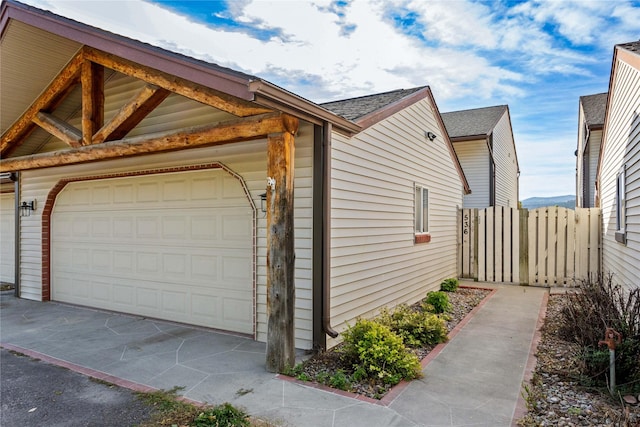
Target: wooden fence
{"x":546,"y":246}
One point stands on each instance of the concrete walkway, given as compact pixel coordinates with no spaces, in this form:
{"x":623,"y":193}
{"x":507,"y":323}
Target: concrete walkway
{"x":475,"y":380}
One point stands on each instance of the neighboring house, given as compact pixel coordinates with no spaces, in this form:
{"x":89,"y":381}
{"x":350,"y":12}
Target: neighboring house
{"x":619,"y":168}
{"x":484,"y":143}
{"x":590,"y":123}
{"x":169,"y":187}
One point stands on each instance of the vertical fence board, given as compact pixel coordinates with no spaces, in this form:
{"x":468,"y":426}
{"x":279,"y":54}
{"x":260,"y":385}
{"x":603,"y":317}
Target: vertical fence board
{"x":594,"y":241}
{"x":489,"y":236}
{"x":506,"y":246}
{"x":552,"y":233}
{"x":498,"y":239}
{"x":582,"y":242}
{"x":561,"y":248}
{"x":533,"y":246}
{"x":521,"y":251}
{"x":571,"y":245}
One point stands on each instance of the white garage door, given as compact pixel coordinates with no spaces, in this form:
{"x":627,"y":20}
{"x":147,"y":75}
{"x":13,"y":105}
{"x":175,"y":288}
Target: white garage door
{"x":7,"y":238}
{"x":172,"y":246}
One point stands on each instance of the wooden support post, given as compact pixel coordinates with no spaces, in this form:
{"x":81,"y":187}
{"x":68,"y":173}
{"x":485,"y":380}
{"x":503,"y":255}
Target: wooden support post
{"x":280,"y":252}
{"x":92,"y":78}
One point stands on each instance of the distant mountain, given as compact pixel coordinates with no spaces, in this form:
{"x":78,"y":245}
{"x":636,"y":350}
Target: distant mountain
{"x":568,"y":201}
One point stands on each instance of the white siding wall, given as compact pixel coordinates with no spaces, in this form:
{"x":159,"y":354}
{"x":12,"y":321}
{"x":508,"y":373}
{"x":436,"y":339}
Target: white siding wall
{"x":474,"y":159}
{"x":595,"y":139}
{"x":622,"y":148}
{"x":506,"y":168}
{"x":248,"y":160}
{"x":374,"y":261}
{"x":579,"y":158}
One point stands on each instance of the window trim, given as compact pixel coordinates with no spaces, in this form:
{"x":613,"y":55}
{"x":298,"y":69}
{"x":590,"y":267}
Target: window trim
{"x":420,"y":229}
{"x":621,"y":206}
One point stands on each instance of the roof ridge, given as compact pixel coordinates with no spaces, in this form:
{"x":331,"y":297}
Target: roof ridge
{"x":414,"y":89}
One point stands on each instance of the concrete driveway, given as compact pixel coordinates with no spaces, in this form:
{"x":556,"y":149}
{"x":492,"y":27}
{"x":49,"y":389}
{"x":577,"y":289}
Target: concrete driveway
{"x":475,"y":379}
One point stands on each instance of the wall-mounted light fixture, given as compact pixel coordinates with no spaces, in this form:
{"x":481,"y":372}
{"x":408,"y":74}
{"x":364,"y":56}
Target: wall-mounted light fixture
{"x":263,"y":202}
{"x":430,"y":135}
{"x":27,"y":207}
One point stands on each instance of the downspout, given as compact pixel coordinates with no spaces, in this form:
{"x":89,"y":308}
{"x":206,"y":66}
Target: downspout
{"x":326,"y":231}
{"x":492,"y":171}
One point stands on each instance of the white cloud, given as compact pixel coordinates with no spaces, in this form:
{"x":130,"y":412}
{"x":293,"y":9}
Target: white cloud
{"x":471,"y":53}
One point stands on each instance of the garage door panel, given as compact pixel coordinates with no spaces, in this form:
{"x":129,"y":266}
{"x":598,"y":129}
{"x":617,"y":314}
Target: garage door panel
{"x":173,"y":246}
{"x":7,"y":238}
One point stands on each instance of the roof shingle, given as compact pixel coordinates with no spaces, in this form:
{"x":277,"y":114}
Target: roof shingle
{"x":594,"y":107}
{"x":354,"y":108}
{"x":478,"y":121}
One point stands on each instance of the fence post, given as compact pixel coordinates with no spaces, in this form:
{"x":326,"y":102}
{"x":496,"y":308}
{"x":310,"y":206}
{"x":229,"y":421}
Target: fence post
{"x":524,"y":246}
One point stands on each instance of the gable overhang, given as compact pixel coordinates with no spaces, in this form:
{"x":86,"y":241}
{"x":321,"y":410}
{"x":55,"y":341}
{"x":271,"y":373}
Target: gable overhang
{"x":226,"y":81}
{"x":272,"y":96}
{"x":620,"y":54}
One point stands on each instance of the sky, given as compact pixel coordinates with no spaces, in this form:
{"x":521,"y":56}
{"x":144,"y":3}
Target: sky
{"x":538,"y":57}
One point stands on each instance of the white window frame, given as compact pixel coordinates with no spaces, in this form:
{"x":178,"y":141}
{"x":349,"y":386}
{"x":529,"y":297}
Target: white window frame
{"x":421,"y":202}
{"x":621,"y":206}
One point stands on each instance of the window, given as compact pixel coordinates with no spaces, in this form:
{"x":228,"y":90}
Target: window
{"x":421,"y":212}
{"x":621,"y":207}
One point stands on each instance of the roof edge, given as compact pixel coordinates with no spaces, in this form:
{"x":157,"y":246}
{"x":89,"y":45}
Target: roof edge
{"x":390,"y":109}
{"x":271,"y":95}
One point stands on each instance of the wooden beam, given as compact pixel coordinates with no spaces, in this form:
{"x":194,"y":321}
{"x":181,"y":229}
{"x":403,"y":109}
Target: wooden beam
{"x":92,"y":78}
{"x":58,"y":128}
{"x":280,"y":253}
{"x":225,"y":132}
{"x":132,"y":113}
{"x":53,"y":95}
{"x":177,"y":85}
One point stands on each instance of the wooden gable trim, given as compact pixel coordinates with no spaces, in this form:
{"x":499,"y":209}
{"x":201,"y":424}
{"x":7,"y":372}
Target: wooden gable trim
{"x":132,"y":113}
{"x":183,"y":87}
{"x":92,"y":78}
{"x":222,"y":133}
{"x":58,"y":128}
{"x":87,"y":67}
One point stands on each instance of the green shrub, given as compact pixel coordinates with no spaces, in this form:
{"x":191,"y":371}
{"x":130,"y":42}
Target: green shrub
{"x":417,"y":328}
{"x":225,"y":415}
{"x":449,"y":285}
{"x":374,"y":349}
{"x":339,"y":380}
{"x":439,"y":301}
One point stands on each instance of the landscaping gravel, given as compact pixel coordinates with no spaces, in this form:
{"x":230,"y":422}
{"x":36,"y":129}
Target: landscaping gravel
{"x":555,"y":398}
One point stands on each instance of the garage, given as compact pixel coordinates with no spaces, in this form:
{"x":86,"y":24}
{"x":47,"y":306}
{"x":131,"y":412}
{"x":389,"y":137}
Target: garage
{"x":174,"y":246}
{"x":7,"y":238}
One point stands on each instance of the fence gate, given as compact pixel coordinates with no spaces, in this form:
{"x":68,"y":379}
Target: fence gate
{"x":546,"y":246}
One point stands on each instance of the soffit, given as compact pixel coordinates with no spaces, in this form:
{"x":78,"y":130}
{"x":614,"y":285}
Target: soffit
{"x":29,"y":60}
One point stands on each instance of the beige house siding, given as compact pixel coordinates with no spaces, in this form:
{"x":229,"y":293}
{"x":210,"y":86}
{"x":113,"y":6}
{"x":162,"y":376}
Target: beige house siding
{"x":506,"y":166}
{"x":580,"y":202}
{"x":622,"y":150}
{"x":474,"y":159}
{"x":246,"y":159}
{"x":374,"y":260}
{"x":593,"y":152}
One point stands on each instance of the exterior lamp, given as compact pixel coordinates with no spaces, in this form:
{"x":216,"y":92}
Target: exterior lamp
{"x":430,"y":135}
{"x":27,"y":207}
